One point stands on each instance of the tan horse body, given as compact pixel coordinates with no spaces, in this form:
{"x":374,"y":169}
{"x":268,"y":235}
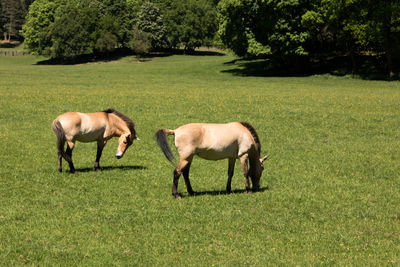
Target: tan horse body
{"x":214,"y":142}
{"x":88,"y":127}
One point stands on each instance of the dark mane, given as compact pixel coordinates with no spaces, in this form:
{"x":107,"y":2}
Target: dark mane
{"x":254,"y":134}
{"x":127,"y":120}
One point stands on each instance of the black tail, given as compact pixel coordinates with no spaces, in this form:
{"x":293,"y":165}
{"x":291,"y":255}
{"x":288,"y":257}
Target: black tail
{"x":59,"y":131}
{"x":161,"y":137}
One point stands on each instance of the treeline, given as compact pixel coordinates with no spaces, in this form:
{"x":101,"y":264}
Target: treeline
{"x":12,"y":17}
{"x":290,"y":32}
{"x":70,"y":28}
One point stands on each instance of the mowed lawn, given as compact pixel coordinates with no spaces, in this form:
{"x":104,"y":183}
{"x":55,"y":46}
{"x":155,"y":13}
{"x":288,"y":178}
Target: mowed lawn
{"x":330,"y":193}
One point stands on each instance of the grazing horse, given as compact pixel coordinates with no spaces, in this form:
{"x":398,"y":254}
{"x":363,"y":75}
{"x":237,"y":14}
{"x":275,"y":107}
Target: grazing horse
{"x":89,"y":127}
{"x":214,"y":142}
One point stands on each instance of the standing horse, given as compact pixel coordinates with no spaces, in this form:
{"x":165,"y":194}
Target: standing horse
{"x":89,"y":127}
{"x":214,"y":142}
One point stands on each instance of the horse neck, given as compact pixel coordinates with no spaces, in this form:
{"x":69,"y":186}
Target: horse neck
{"x":254,"y":159}
{"x":117,"y":125}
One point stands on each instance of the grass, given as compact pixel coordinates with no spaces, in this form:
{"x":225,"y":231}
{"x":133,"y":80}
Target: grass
{"x":331,"y":189}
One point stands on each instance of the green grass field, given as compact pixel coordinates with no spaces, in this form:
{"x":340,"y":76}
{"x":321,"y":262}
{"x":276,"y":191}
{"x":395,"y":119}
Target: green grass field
{"x":330,"y":192}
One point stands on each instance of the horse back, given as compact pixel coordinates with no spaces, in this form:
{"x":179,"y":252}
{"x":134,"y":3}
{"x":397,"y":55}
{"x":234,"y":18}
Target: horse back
{"x":84,"y":127}
{"x":213,"y":141}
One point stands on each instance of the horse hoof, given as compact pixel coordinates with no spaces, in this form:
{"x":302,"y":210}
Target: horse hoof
{"x":60,"y":170}
{"x":249,"y":192}
{"x":177,"y":196}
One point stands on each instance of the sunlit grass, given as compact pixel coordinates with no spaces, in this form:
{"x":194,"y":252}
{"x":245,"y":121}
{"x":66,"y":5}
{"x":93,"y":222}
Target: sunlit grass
{"x":330,"y":190}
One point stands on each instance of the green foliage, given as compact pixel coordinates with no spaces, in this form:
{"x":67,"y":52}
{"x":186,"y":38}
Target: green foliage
{"x":150,"y":20}
{"x":287,"y":29}
{"x":106,"y":42}
{"x":141,"y":42}
{"x":106,"y":34}
{"x":123,"y":13}
{"x":37,"y":29}
{"x":190,"y":23}
{"x":72,"y":30}
{"x":63,"y":29}
{"x":356,"y":26}
{"x":331,"y":187}
{"x":275,"y":25}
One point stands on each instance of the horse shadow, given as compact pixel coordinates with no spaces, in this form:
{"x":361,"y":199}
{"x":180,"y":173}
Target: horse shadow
{"x":223,"y":192}
{"x":110,"y":168}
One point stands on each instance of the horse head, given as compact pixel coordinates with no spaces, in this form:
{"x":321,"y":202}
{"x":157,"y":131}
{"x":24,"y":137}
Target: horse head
{"x":124,"y":141}
{"x":255,"y":174}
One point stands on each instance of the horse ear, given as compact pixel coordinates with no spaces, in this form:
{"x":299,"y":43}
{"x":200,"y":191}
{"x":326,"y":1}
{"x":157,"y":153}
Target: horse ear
{"x":264,"y":158}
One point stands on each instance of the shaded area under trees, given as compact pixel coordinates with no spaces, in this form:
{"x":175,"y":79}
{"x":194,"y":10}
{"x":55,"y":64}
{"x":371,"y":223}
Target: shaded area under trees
{"x":295,"y":33}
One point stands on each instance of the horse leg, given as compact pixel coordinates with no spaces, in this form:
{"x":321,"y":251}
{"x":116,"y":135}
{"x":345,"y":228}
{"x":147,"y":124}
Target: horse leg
{"x":231,"y":169}
{"x":70,"y":147}
{"x":100,"y":146}
{"x":245,"y":170}
{"x":185,"y":173}
{"x":59,"y":161}
{"x":177,"y":173}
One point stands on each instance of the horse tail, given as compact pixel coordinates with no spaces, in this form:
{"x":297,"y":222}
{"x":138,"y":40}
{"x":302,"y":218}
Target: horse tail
{"x":60,"y":133}
{"x":161,"y":136}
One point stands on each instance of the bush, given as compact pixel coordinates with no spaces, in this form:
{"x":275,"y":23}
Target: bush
{"x":107,"y":42}
{"x":140,"y":42}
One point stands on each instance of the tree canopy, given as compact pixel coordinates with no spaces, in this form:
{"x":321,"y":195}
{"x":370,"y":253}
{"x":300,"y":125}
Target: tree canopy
{"x":64,"y":29}
{"x":296,"y":28}
{"x":190,"y":23}
{"x":288,"y":31}
{"x":12,"y":14}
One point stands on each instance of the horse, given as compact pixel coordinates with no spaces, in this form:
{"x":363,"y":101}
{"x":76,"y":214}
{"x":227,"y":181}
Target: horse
{"x":88,"y":127}
{"x":235,"y":140}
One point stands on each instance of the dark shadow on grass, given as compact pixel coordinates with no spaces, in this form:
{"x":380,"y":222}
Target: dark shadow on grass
{"x":120,"y":53}
{"x":223,"y":192}
{"x":365,"y":67}
{"x":89,"y":58}
{"x":110,"y":168}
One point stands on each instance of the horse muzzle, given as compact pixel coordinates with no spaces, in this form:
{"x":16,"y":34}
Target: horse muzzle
{"x":119,"y":154}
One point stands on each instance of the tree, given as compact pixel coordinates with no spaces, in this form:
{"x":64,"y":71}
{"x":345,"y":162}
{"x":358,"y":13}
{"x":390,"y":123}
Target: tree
{"x":140,"y":42}
{"x":12,"y":17}
{"x":387,"y":21}
{"x":69,"y":28}
{"x":356,"y":26}
{"x":106,"y":34}
{"x":264,"y":27}
{"x":190,"y":23}
{"x":150,"y":20}
{"x":1,"y":19}
{"x":37,"y":29}
{"x":123,"y":13}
